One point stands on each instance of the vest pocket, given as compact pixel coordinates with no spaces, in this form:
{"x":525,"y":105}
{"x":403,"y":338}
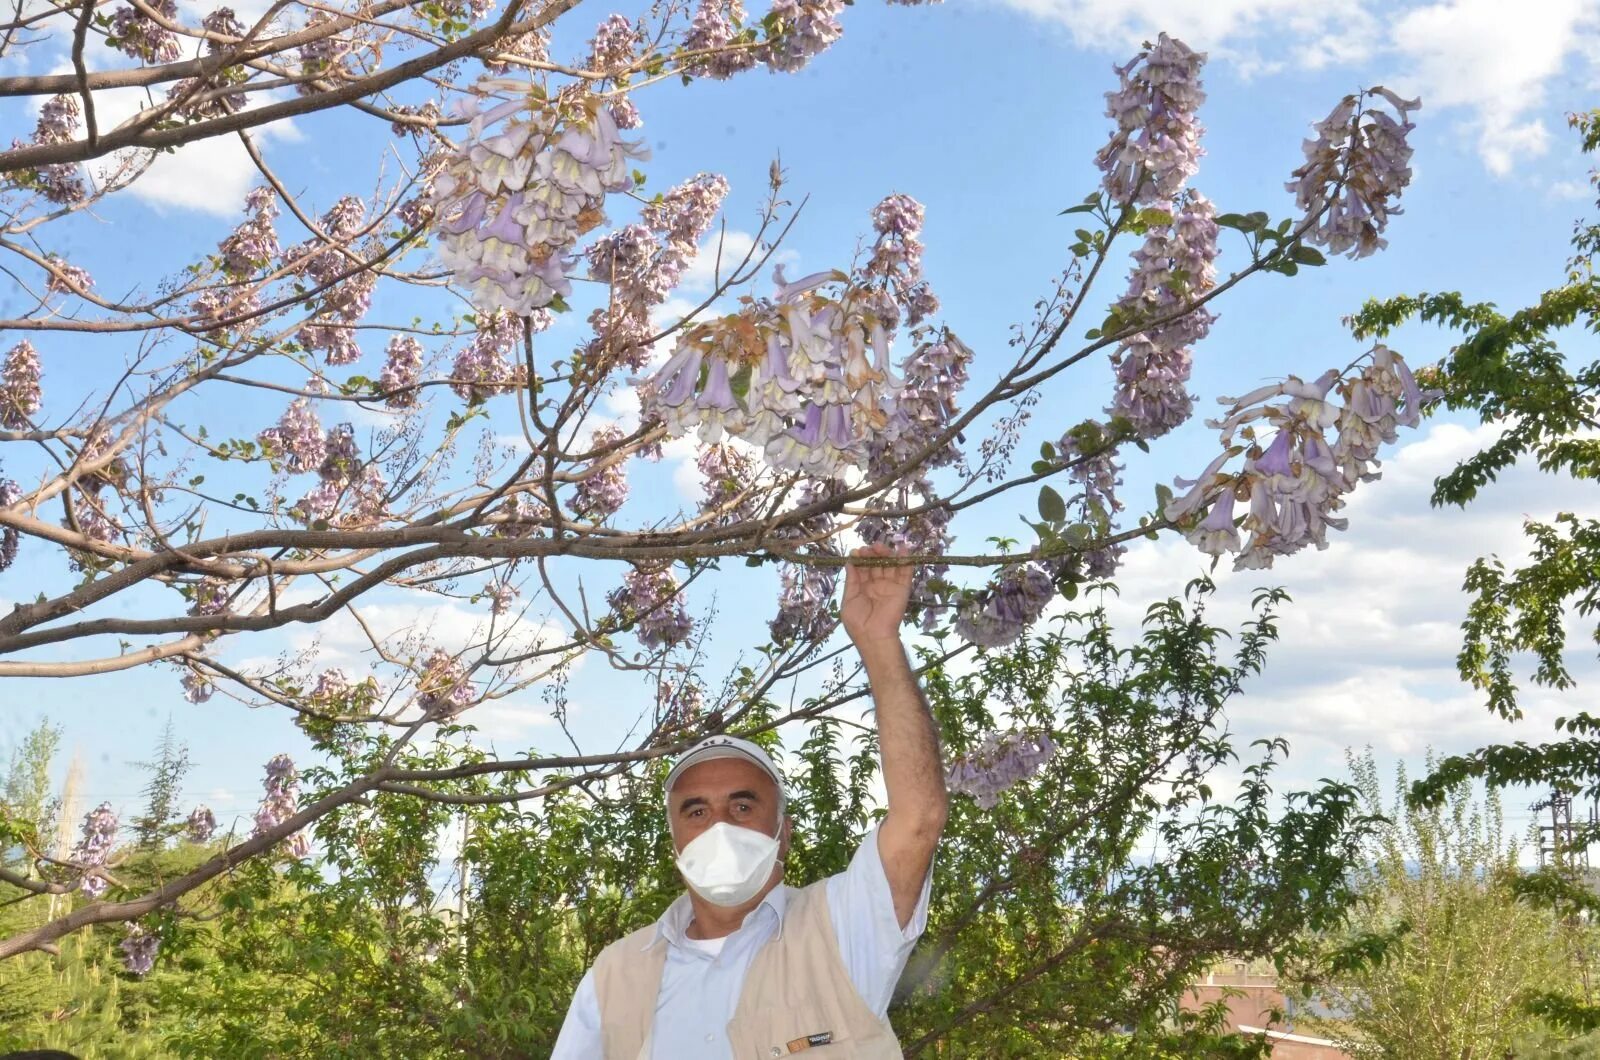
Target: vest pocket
{"x":807,"y":1031}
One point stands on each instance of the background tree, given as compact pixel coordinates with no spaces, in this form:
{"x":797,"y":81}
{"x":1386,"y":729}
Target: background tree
{"x":161,"y":795}
{"x":1532,"y":373}
{"x":1449,"y":953}
{"x":28,"y":798}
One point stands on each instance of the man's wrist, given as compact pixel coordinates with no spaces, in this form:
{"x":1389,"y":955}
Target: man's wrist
{"x":881,"y":651}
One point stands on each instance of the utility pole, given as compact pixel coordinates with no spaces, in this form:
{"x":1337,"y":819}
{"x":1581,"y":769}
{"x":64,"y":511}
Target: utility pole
{"x":1558,"y":846}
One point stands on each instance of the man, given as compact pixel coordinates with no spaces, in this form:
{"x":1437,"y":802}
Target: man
{"x":743,"y":966}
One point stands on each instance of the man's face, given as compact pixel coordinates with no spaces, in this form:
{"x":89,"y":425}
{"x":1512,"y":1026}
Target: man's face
{"x":724,"y":789}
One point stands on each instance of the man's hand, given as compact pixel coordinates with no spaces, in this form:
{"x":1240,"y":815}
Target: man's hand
{"x":875,"y":598}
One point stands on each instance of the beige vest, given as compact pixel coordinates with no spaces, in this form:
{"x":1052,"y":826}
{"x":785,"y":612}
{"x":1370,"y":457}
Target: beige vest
{"x":797,"y":987}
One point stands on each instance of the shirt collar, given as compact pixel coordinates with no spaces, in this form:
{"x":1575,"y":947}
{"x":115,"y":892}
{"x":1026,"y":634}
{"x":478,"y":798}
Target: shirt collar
{"x":675,"y":921}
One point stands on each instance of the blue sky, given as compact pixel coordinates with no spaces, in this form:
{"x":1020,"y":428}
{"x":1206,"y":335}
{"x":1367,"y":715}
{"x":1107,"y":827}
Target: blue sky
{"x":990,"y":114}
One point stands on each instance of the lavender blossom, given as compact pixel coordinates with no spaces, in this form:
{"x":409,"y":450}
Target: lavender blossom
{"x":714,"y":28}
{"x":678,"y":703}
{"x":281,"y":802}
{"x":489,"y":364}
{"x":139,"y":36}
{"x":58,"y":124}
{"x":614,"y":44}
{"x":297,"y":440}
{"x":20,"y":394}
{"x":211,"y":597}
{"x":603,"y":489}
{"x":999,"y":763}
{"x":197,"y":687}
{"x":998,"y":614}
{"x":803,"y":612}
{"x":94,"y":847}
{"x":1156,"y":145}
{"x":1295,"y":484}
{"x":1355,"y":171}
{"x":802,"y":30}
{"x":443,"y":687}
{"x":402,"y":368}
{"x":649,"y":599}
{"x":66,"y":278}
{"x":200,"y":825}
{"x":139,"y":948}
{"x":10,"y":537}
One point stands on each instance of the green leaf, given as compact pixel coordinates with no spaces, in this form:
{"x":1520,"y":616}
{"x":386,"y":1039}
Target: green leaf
{"x":1051,"y":506}
{"x":1307,"y":255}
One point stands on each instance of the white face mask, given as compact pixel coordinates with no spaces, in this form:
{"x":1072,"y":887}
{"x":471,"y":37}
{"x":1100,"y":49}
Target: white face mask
{"x":728,"y":865}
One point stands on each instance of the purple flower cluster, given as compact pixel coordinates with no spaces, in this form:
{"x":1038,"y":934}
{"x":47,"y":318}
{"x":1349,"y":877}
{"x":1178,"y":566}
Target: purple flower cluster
{"x":1293,"y":485}
{"x":225,"y":22}
{"x":66,"y":278}
{"x":1095,"y":499}
{"x":20,"y":394}
{"x":343,"y":476}
{"x":139,"y":948}
{"x":94,"y":847}
{"x":643,"y":262}
{"x":200,"y":825}
{"x":603,"y":489}
{"x":800,"y":31}
{"x":10,"y":537}
{"x":510,"y":204}
{"x":999,"y":763}
{"x":281,"y":802}
{"x":806,"y":374}
{"x":1171,"y":269}
{"x":138,"y":36}
{"x":1355,"y":170}
{"x":934,"y":374}
{"x":803,"y":613}
{"x":297,"y":440}
{"x":443,"y":688}
{"x":211,"y":596}
{"x":531,"y":47}
{"x":402,"y":369}
{"x":615,"y":43}
{"x":1156,"y":146}
{"x":334,"y":690}
{"x":492,"y":364}
{"x":678,"y":703}
{"x":649,"y":599}
{"x":502,"y":597}
{"x":715,"y":26}
{"x":520,"y":516}
{"x":323,"y":58}
{"x":727,"y":477}
{"x":61,"y":182}
{"x":197,"y":687}
{"x":998,"y":614}
{"x":253,"y":245}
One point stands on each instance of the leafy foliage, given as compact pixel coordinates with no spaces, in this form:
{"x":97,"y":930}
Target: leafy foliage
{"x":1441,"y":957}
{"x":1055,"y":928}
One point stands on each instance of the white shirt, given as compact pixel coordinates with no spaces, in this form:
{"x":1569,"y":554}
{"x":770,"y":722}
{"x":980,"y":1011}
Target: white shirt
{"x":700,"y":985}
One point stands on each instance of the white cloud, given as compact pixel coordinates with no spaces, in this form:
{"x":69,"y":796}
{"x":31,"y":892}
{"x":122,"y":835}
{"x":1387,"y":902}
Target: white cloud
{"x":1495,"y":59}
{"x":210,"y":175}
{"x":1244,"y":31}
{"x":1490,"y":59}
{"x":720,"y":254}
{"x":1570,"y":189}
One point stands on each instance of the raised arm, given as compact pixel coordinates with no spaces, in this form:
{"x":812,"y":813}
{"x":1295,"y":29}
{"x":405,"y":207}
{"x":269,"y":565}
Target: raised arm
{"x":874,"y":605}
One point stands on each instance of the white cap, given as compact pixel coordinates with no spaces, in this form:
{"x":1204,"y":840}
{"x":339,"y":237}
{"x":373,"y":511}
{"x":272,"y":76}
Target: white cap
{"x":714,"y":747}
